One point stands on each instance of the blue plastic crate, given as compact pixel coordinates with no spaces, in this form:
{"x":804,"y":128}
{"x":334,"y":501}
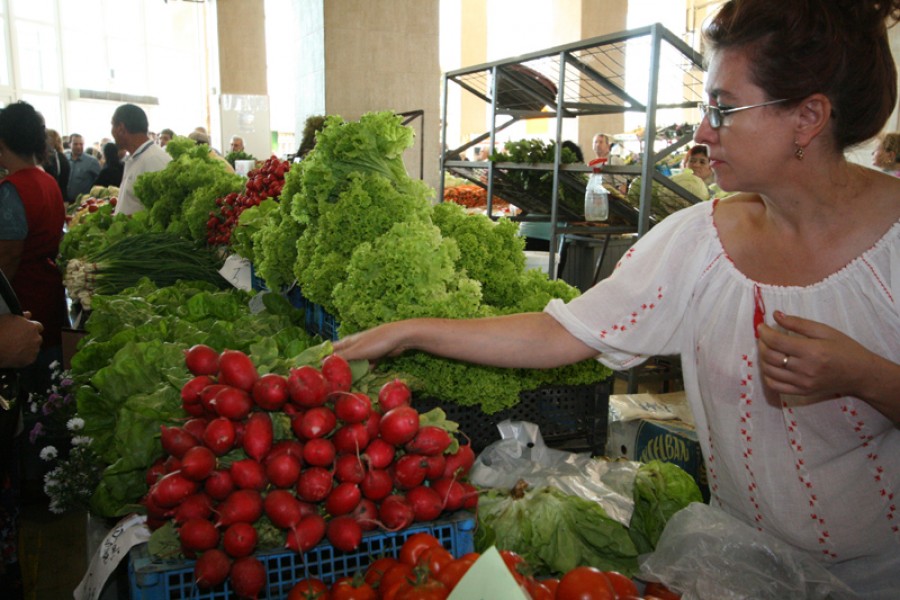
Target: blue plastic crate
{"x":151,"y":579}
{"x":317,"y":320}
{"x":256,"y":283}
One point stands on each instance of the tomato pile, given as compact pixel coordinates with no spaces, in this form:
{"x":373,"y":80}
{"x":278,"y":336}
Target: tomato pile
{"x":266,"y":181}
{"x":425,"y":570}
{"x":301,"y":457}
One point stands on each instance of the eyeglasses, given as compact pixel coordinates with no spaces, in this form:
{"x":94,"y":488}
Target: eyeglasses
{"x":716,"y":114}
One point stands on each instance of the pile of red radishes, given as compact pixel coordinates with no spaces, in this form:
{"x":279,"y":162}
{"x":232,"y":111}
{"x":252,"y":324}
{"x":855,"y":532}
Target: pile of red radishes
{"x":266,"y":181}
{"x":304,"y":452}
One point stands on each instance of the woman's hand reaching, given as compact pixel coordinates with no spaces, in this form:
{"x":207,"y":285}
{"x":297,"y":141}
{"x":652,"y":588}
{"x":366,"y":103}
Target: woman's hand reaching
{"x":814,"y":360}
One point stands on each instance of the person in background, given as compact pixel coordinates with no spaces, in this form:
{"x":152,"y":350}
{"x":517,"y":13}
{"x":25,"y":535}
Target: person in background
{"x":201,"y":138}
{"x":56,"y":163}
{"x":311,"y":127}
{"x":602,"y":145}
{"x":780,"y":299}
{"x":165,"y":136}
{"x":237,"y":143}
{"x":129,"y":130}
{"x":32,"y":216}
{"x":113,"y":167}
{"x":886,"y":155}
{"x":84,"y":169}
{"x":697,"y":160}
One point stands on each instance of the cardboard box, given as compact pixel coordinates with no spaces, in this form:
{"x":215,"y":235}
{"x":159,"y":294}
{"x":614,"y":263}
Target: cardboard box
{"x":644,"y":439}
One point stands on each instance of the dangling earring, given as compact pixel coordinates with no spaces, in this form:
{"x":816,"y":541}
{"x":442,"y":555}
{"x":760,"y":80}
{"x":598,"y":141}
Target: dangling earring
{"x":799,"y":151}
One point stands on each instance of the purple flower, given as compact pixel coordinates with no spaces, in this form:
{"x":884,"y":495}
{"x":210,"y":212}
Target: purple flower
{"x":36,"y":431}
{"x":66,"y":382}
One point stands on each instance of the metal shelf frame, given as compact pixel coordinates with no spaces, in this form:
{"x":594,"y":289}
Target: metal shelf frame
{"x":568,"y":81}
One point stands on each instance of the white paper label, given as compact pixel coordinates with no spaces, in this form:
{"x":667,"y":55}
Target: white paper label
{"x":237,"y":271}
{"x":128,"y":533}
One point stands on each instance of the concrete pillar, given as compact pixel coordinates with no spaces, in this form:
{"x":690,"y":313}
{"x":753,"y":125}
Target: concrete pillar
{"x":359,"y":56}
{"x":242,"y":103}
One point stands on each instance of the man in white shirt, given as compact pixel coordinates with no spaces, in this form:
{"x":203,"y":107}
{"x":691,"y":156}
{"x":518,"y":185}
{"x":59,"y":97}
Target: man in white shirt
{"x":129,"y":130}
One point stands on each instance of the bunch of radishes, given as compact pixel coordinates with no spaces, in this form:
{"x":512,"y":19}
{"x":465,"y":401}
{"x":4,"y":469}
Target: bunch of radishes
{"x":266,"y":181}
{"x":305,"y":453}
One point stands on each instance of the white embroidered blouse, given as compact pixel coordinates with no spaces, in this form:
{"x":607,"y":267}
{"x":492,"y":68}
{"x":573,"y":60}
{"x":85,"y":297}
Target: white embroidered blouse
{"x":824,"y":476}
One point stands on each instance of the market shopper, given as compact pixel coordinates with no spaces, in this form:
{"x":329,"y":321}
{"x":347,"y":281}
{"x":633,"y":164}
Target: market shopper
{"x":113,"y":167}
{"x":32,"y":215}
{"x":781,"y":301}
{"x":129,"y":130}
{"x":165,"y":136}
{"x":237,"y":143}
{"x":83,"y":169}
{"x":56,"y":162}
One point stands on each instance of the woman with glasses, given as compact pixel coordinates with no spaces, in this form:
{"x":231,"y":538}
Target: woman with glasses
{"x":783,"y":300}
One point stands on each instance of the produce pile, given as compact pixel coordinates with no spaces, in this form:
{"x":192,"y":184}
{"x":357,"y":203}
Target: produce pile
{"x":91,"y":202}
{"x":425,"y":570}
{"x":556,"y":531}
{"x":129,"y":370}
{"x":263,"y":182}
{"x":161,"y":257}
{"x":364,"y":240}
{"x":286,"y":461}
{"x":471,"y":196}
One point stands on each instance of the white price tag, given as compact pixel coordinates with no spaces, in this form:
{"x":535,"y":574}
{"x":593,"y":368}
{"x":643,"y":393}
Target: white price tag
{"x":237,"y":271}
{"x":128,"y":533}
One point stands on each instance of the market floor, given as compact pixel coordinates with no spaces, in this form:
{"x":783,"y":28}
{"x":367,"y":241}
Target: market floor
{"x":52,"y":551}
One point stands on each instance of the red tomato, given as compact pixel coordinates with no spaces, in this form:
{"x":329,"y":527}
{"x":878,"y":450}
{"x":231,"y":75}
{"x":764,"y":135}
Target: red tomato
{"x":514,"y":562}
{"x":452,"y":572}
{"x":379,"y":567}
{"x":585,"y":583}
{"x":622,"y":585}
{"x":539,"y":591}
{"x":552,"y":583}
{"x":309,"y":589}
{"x":429,"y":589}
{"x":660,"y":591}
{"x":435,"y":559}
{"x":349,"y":588}
{"x":393,"y":578}
{"x":415,"y":545}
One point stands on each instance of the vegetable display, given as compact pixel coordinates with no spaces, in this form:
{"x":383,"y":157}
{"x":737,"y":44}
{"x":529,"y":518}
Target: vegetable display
{"x":556,"y":531}
{"x":163,"y":258}
{"x":425,"y":570}
{"x":129,"y":369}
{"x":287,"y":460}
{"x":372,"y":248}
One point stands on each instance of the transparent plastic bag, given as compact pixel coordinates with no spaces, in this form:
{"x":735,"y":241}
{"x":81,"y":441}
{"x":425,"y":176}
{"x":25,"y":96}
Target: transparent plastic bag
{"x":706,"y":554}
{"x":522,"y":454}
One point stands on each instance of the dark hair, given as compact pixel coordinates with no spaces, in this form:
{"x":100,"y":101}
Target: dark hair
{"x":575,"y":149}
{"x":835,"y":47}
{"x":167,"y":131}
{"x":111,"y":154}
{"x":698,"y":149}
{"x":132,"y":117}
{"x":22,"y":130}
{"x":313,"y":125}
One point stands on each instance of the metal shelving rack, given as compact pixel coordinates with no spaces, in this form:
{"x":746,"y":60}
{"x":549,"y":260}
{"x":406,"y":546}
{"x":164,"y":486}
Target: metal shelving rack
{"x":583,"y":78}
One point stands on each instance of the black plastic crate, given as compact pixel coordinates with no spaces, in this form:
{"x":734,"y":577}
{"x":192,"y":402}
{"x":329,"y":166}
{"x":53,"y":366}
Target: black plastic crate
{"x":570,"y":417}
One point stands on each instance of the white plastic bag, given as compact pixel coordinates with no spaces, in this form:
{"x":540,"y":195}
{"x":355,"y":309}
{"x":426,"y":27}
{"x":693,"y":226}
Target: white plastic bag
{"x":706,"y":554}
{"x":522,"y":454}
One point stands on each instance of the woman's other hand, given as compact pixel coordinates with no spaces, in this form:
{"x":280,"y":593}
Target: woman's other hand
{"x":814,"y":360}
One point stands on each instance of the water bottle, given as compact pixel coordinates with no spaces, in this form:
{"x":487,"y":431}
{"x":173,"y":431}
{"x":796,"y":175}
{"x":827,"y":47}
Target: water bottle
{"x":596,"y":198}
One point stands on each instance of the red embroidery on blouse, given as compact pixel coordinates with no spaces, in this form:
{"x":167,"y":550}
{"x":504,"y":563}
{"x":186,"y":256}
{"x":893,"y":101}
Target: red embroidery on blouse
{"x":884,"y":288}
{"x":759,"y":310}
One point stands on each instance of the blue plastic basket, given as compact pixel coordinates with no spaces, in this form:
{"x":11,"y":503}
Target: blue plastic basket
{"x":151,"y":579}
{"x":317,"y":320}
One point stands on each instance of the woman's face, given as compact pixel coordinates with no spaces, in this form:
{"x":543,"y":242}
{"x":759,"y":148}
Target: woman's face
{"x":699,"y":164}
{"x":750,"y":149}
